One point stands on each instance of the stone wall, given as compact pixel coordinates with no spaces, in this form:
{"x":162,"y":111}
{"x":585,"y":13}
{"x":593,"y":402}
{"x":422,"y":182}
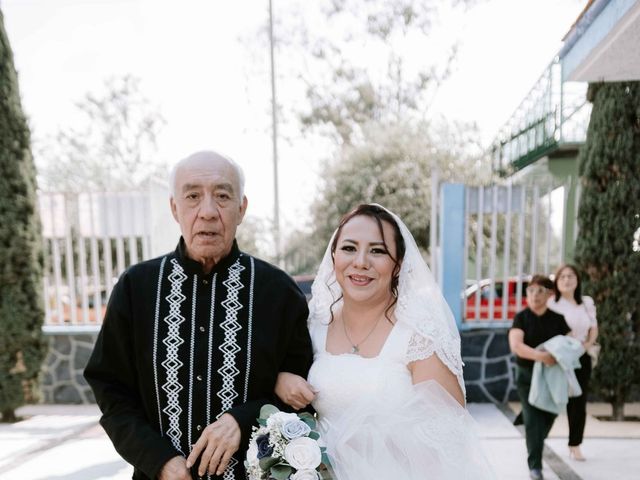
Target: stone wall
{"x":62,"y":380}
{"x":488,"y":370}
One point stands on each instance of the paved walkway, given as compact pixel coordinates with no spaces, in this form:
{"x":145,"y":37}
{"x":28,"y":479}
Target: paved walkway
{"x":66,"y":443}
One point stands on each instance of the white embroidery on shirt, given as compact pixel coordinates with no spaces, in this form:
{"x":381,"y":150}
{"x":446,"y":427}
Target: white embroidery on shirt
{"x":155,"y":342}
{"x":228,"y":473}
{"x":210,"y":345}
{"x":172,"y":363}
{"x":230,"y":348}
{"x":191,"y":356}
{"x":249,"y":333}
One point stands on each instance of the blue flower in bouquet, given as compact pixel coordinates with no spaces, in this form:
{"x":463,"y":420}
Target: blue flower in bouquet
{"x":285,"y":446}
{"x":265,"y":449}
{"x":294,"y":429}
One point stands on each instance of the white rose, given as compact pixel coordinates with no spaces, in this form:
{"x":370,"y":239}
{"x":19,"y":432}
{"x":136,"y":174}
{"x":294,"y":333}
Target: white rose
{"x":306,"y":474}
{"x":280,"y":418}
{"x":295,"y":429}
{"x":303,"y":453}
{"x":252,"y":454}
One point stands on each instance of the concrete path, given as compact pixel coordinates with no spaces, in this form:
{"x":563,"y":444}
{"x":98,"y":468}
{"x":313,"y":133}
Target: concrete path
{"x":504,"y":444}
{"x":59,"y":442}
{"x":66,"y":443}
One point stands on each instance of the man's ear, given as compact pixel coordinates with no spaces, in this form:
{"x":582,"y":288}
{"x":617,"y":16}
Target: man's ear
{"x":243,"y":208}
{"x":174,"y":209}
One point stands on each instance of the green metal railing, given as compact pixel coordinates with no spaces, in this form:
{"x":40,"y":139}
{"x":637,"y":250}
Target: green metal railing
{"x":553,"y":115}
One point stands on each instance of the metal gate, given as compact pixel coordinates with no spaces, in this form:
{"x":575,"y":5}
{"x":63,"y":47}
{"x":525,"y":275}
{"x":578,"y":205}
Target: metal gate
{"x":89,"y":239}
{"x":491,"y":239}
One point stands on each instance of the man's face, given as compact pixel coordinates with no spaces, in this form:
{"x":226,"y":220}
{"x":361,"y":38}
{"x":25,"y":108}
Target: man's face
{"x":537,"y":296}
{"x":207,"y":205}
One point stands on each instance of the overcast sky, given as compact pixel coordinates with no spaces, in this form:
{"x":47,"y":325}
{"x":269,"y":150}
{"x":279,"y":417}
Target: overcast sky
{"x":193,"y":67}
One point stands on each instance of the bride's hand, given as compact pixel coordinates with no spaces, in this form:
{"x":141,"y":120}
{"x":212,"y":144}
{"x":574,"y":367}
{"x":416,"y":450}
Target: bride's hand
{"x":294,"y":390}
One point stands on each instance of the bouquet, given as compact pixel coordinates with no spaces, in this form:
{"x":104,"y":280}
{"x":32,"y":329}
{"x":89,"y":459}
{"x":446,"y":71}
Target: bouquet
{"x":285,"y":447}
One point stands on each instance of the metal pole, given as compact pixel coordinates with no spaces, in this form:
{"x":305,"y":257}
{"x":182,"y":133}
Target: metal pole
{"x":561,"y":139}
{"x":274,"y":121}
{"x":433,"y":227}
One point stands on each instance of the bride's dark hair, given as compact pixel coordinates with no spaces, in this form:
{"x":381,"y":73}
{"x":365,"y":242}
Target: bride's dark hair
{"x":379,"y":215}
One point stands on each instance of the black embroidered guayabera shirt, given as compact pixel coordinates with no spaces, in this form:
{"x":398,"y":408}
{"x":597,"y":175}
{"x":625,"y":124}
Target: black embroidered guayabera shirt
{"x":178,"y":348}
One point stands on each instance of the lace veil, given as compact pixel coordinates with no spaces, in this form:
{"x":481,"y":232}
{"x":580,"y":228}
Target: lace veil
{"x":420,"y":305}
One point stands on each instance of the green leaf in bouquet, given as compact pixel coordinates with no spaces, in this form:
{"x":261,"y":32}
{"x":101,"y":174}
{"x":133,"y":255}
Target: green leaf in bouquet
{"x":308,"y":419}
{"x":267,"y":462}
{"x":281,"y":472}
{"x":262,"y":422}
{"x":324,"y":457}
{"x":267,"y":410}
{"x":314,"y":435}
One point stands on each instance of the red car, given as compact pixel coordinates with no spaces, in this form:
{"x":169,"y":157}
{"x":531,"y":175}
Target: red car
{"x":472,"y":314}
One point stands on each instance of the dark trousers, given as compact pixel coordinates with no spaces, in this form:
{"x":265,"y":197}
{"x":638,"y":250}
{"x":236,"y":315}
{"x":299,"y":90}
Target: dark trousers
{"x":577,"y":406}
{"x":537,"y":423}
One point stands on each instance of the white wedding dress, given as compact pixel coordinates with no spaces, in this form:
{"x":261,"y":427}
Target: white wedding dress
{"x":375,"y":423}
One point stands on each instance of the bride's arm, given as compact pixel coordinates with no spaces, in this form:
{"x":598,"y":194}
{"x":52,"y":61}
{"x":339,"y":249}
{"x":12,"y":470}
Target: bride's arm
{"x":294,"y":390}
{"x":432,"y":368}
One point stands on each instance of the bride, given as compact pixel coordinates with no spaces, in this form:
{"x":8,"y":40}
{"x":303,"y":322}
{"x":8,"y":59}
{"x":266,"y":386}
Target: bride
{"x":387,"y":374}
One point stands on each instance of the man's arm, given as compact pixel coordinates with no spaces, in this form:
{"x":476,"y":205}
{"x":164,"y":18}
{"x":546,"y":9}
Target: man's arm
{"x":522,"y":350}
{"x":112,"y":374}
{"x":217,"y":443}
{"x":233,"y":430}
{"x":297,"y":357}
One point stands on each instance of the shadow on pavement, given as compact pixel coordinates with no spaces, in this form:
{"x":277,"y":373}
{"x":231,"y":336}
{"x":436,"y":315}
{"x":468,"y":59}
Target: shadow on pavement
{"x":94,"y":471}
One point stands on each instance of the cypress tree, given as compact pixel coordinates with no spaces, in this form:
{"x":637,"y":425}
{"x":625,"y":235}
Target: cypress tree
{"x":608,"y":216}
{"x":22,"y":345}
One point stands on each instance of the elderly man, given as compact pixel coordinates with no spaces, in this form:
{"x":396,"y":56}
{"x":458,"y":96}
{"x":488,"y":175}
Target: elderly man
{"x":192,"y":342}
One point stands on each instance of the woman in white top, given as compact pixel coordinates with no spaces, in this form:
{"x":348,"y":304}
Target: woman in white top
{"x":579,"y":312}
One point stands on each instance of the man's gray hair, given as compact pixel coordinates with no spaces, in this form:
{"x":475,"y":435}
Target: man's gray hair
{"x":212,"y":154}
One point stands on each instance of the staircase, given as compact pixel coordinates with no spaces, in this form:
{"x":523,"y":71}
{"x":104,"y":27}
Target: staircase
{"x":552,"y":119}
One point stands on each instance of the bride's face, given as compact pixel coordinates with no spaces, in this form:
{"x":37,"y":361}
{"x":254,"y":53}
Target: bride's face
{"x":363,"y":265}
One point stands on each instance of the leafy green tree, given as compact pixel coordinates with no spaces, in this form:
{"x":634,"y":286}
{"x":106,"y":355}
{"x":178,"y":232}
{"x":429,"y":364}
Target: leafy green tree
{"x":608,"y":217}
{"x":362,"y":74}
{"x":22,"y":346}
{"x":392,"y":166}
{"x":255,"y":237}
{"x":368,"y":61}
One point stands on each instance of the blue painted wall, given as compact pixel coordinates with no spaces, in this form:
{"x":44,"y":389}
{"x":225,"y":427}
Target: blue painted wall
{"x":451,"y":264}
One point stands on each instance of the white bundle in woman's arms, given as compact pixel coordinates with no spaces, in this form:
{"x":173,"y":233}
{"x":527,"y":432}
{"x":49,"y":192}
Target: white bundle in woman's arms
{"x":285,"y":446}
